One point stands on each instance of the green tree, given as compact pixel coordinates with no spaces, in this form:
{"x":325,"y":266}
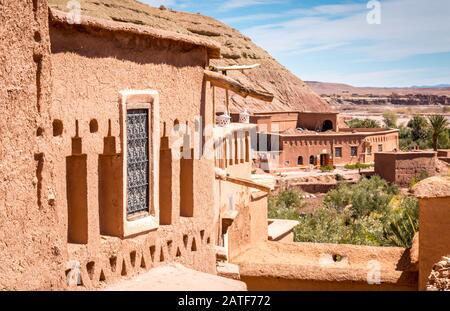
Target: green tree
{"x":419,"y":128}
{"x":438,"y":125}
{"x":390,"y":119}
{"x":363,"y":123}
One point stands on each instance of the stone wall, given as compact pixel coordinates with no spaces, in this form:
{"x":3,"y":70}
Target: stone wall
{"x":439,"y":278}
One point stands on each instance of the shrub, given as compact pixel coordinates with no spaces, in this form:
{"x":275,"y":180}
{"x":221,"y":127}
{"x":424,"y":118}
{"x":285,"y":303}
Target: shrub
{"x":404,"y":223}
{"x":370,"y":212}
{"x":423,"y":175}
{"x":358,"y":166}
{"x":364,"y":197}
{"x":390,"y":119}
{"x":327,"y":168}
{"x":285,"y":205}
{"x":363,"y":123}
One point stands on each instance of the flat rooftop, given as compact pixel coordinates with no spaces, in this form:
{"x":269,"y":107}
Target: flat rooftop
{"x":309,"y":133}
{"x":414,"y":152}
{"x":323,"y":262}
{"x":175,"y":277}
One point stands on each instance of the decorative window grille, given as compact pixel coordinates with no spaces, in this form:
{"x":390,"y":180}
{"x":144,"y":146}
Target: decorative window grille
{"x":137,"y":161}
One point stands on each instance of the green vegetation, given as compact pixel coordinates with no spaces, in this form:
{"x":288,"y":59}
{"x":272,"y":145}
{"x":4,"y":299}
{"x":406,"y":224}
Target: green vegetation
{"x":363,"y":123}
{"x":327,"y":168}
{"x":423,"y":175}
{"x":425,"y":133}
{"x":438,"y":127}
{"x":371,"y":212}
{"x":285,"y":205}
{"x":390,"y":119}
{"x":358,"y":166}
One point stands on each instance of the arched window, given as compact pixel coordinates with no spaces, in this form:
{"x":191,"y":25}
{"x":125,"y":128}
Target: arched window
{"x":312,"y":160}
{"x":300,"y":161}
{"x":327,"y":125}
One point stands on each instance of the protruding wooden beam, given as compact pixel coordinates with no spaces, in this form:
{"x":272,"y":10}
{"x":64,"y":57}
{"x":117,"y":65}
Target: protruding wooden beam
{"x":227,"y":83}
{"x":236,"y":67}
{"x":245,"y":182}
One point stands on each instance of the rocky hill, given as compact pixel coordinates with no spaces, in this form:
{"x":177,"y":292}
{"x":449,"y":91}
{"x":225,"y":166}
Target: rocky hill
{"x":291,"y":93}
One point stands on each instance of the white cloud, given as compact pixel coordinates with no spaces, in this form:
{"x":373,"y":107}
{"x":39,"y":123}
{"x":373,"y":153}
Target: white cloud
{"x":238,"y":4}
{"x":409,"y":27}
{"x":251,"y":18}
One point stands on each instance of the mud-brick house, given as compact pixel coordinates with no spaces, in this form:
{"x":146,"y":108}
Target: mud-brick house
{"x":103,"y":175}
{"x":117,"y":92}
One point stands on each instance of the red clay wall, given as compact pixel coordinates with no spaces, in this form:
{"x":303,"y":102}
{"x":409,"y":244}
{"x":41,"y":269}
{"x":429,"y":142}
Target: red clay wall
{"x":31,"y":248}
{"x":88,"y":72}
{"x":306,"y":146}
{"x":314,"y":121}
{"x":434,"y":240}
{"x":402,"y":167}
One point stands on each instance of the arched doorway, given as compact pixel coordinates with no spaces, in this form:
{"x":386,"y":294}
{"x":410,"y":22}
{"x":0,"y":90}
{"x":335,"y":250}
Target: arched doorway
{"x":312,"y":160}
{"x":327,"y":125}
{"x":300,"y":160}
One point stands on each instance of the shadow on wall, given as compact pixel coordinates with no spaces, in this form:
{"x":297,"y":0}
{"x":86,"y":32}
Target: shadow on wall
{"x":90,"y":43}
{"x":76,"y":179}
{"x":110,"y":187}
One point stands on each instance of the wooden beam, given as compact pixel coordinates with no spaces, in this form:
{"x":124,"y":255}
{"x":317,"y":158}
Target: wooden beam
{"x":227,"y":83}
{"x":245,"y":182}
{"x":236,"y":67}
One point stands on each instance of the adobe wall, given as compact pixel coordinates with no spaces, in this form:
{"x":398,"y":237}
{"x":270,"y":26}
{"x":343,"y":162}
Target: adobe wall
{"x":402,"y":167}
{"x":31,"y":250}
{"x":89,"y":71}
{"x":307,"y":146}
{"x":434,"y":223}
{"x":314,"y":121}
{"x":317,"y":266}
{"x":387,"y":141}
{"x":434,"y":215}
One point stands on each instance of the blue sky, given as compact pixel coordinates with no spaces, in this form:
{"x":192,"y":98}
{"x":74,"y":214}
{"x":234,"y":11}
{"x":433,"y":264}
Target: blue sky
{"x":331,"y":40}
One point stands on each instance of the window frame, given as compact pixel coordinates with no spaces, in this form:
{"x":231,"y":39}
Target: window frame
{"x":141,"y":99}
{"x":351,"y":151}
{"x":335,"y":152}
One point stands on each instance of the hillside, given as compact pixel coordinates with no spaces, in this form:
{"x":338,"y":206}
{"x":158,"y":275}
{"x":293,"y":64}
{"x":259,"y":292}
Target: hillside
{"x":291,"y":93}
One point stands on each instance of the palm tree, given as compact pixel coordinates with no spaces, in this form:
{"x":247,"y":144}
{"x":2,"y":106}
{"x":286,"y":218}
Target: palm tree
{"x":438,"y":125}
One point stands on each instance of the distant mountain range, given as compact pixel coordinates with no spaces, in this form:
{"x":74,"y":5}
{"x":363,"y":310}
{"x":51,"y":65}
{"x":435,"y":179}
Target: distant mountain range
{"x":438,"y":86}
{"x":326,"y":88}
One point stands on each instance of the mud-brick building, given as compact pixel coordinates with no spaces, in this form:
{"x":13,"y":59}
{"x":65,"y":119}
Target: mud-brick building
{"x":295,"y":140}
{"x":403,"y":167}
{"x":95,"y":116}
